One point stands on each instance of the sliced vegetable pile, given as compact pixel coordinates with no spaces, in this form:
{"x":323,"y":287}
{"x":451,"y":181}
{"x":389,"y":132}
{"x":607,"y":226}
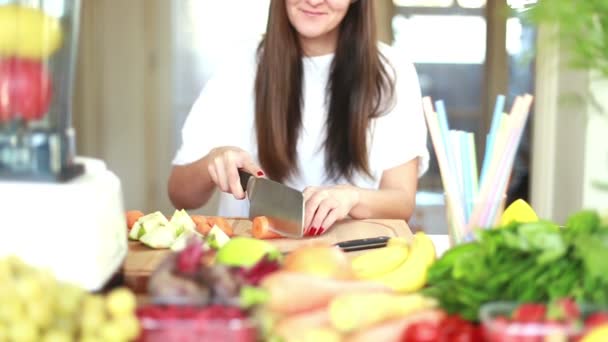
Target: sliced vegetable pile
{"x":530,"y":262}
{"x":155,"y":231}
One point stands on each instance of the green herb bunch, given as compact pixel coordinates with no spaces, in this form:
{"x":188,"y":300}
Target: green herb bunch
{"x":531,"y":262}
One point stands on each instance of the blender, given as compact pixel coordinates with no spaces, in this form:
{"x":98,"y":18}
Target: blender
{"x":59,"y":211}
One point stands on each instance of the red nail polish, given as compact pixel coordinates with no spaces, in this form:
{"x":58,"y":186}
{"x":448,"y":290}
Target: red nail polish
{"x":312,"y":231}
{"x":260,"y":174}
{"x":321,"y":231}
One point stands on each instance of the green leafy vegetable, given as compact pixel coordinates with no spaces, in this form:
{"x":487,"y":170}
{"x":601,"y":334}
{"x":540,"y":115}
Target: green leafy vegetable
{"x":537,"y":262}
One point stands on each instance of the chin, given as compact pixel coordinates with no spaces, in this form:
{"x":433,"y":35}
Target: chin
{"x":310,"y":31}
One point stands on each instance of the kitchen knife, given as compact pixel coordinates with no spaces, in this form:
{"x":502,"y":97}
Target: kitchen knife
{"x":362,"y":244}
{"x":282,"y":205}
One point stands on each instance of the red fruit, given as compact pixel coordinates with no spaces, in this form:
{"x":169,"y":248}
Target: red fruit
{"x":421,"y":332}
{"x":25,"y":89}
{"x":595,"y":319}
{"x":564,"y":309}
{"x":530,"y":313}
{"x":189,"y":259}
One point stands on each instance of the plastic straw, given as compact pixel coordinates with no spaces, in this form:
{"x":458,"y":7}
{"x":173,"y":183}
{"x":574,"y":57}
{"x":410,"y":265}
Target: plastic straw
{"x":452,"y":201}
{"x":522,"y":113}
{"x":501,"y":141}
{"x":494,"y":126}
{"x":444,"y":127}
{"x":465,"y":171}
{"x":474,"y":174}
{"x":458,"y":166}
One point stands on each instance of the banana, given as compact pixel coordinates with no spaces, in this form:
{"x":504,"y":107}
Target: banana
{"x":379,"y":261}
{"x":398,"y":241}
{"x":349,"y":312}
{"x":411,"y":275}
{"x":427,"y":247}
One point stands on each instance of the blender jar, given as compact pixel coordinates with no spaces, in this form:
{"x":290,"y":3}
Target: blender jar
{"x":38,"y":45}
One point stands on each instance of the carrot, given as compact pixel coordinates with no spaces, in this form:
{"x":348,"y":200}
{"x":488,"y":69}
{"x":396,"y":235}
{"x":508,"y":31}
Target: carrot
{"x":202,"y":224}
{"x":295,"y":292}
{"x":222,"y":223}
{"x":393,"y":330}
{"x":294,"y":327}
{"x":132,"y":217}
{"x":260,"y":229}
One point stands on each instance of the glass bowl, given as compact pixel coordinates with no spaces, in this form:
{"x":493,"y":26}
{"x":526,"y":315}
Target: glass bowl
{"x":192,"y":324}
{"x":497,"y":326}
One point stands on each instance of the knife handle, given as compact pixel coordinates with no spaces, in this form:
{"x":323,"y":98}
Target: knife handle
{"x":244,"y":176}
{"x":361,"y":244}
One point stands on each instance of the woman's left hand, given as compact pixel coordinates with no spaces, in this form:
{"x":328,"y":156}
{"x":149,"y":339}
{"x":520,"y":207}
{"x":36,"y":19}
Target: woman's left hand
{"x":326,"y":205}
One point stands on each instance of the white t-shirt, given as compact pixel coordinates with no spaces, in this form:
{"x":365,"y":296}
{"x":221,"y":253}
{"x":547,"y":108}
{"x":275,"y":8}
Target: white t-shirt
{"x":223,"y":115}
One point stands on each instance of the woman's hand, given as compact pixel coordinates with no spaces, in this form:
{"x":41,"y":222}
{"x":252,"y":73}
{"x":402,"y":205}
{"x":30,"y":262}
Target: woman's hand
{"x":224,"y":165}
{"x":326,"y":205}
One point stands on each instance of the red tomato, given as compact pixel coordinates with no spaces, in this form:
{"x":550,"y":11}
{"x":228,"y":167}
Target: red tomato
{"x":25,"y":89}
{"x":421,"y":332}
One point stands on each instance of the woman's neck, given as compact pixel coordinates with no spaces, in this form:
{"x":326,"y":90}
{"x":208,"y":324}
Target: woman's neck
{"x":320,"y":46}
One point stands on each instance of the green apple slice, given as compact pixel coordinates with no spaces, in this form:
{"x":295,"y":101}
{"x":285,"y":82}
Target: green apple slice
{"x":136,"y":231}
{"x":160,"y":237}
{"x":216,"y":238}
{"x":183,"y":220}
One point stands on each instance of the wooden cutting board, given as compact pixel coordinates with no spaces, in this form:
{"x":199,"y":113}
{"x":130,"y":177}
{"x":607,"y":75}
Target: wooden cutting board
{"x":141,"y":261}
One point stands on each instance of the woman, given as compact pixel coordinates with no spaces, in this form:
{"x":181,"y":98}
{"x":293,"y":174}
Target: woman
{"x":319,"y":106}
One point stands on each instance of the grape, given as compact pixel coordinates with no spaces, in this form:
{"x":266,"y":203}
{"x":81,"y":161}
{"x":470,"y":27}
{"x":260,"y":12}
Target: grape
{"x":12,"y":310}
{"x":23,"y":331}
{"x":121,"y":302}
{"x":28,"y":288}
{"x":90,"y":338}
{"x":93,"y":303}
{"x":91,"y":321}
{"x":112,"y":332}
{"x":56,"y":336}
{"x":69,"y":299}
{"x":66,"y":324}
{"x":129,"y":326}
{"x":40,"y":313}
{"x":5,"y":271}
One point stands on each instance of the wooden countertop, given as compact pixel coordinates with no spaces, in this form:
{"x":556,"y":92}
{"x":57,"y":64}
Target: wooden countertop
{"x":141,"y":261}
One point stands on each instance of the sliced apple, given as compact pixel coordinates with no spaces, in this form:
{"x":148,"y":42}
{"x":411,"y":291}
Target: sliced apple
{"x":216,"y":238}
{"x":158,"y":238}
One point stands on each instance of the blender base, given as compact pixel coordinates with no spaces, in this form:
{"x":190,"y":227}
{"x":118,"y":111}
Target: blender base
{"x":75,"y":229}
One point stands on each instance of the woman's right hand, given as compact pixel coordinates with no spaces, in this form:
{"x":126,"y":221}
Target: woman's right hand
{"x":224,"y":165}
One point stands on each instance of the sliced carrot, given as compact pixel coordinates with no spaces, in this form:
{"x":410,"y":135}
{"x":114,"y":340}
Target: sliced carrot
{"x":222,"y":223}
{"x":203,"y":225}
{"x":260,"y":229}
{"x":132,"y":217}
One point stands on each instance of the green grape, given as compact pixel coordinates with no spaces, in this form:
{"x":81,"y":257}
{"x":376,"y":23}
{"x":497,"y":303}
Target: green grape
{"x":5,"y":271}
{"x":12,"y":310}
{"x":90,"y":338}
{"x":57,"y":336}
{"x":112,"y":332}
{"x":68,"y":299}
{"x":93,"y":303}
{"x":91,"y":321}
{"x":65,"y":324}
{"x":40,"y":312}
{"x":120,"y":302}
{"x":3,"y":333}
{"x":129,"y":326}
{"x":28,"y":288}
{"x":23,"y":331}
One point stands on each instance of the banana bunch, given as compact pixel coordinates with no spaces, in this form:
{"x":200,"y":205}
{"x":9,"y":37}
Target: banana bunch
{"x":402,"y":266}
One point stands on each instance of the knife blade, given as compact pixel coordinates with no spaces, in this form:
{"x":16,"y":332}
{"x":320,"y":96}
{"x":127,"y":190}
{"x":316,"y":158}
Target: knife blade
{"x":362,"y":244}
{"x":282,"y":205}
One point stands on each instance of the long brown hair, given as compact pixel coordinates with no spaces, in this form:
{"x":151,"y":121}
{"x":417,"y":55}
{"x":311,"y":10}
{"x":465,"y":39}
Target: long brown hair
{"x":359,"y":88}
